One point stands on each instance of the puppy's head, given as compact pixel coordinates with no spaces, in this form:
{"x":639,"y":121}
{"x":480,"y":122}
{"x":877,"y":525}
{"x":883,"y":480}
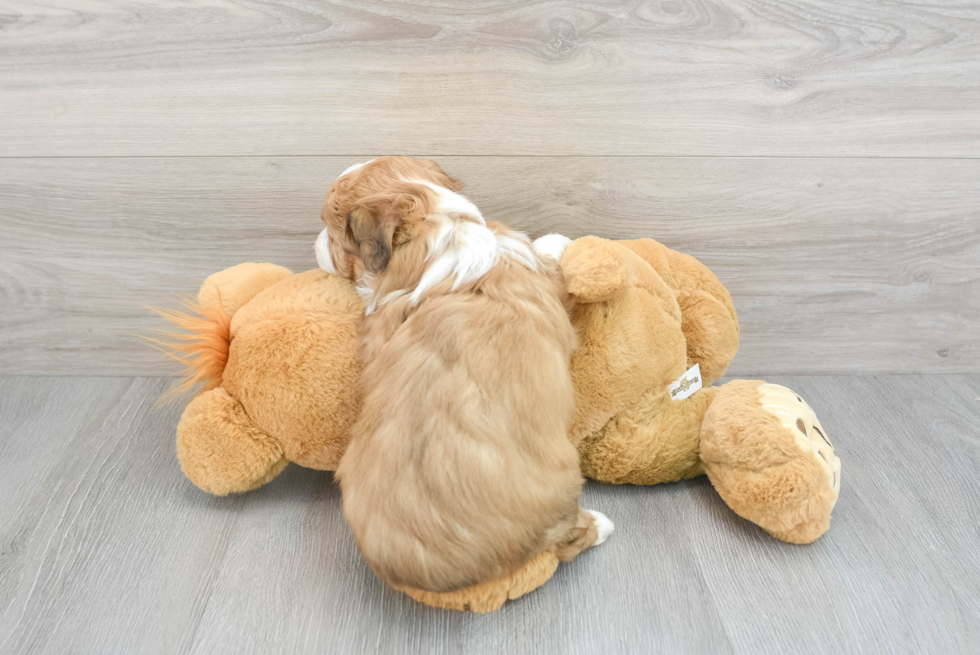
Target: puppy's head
{"x":375,"y":209}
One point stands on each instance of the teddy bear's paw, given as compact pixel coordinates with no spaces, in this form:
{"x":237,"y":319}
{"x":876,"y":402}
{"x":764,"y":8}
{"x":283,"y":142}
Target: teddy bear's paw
{"x":553,"y":245}
{"x":797,"y":417}
{"x":221,"y":450}
{"x":769,"y":458}
{"x":604,"y":526}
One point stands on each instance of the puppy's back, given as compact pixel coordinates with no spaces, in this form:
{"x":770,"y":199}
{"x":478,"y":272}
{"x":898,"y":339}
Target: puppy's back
{"x":460,"y":469}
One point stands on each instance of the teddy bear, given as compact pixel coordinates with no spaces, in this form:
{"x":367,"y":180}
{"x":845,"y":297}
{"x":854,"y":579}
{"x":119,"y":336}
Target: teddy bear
{"x":275,"y":359}
{"x":275,"y":356}
{"x":646,"y":316}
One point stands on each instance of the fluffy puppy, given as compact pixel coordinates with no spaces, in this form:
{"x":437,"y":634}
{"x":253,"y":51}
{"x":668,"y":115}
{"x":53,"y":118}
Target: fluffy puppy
{"x":460,"y":469}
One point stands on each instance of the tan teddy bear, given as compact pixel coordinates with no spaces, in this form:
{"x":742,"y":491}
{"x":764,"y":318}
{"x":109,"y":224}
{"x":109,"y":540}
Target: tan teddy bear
{"x":277,"y":358}
{"x":277,"y":354}
{"x":645,"y":315}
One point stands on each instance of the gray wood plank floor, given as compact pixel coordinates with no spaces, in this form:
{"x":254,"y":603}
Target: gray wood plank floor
{"x":106,"y":548}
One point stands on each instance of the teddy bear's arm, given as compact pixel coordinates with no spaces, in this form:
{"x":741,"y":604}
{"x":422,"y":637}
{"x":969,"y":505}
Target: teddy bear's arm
{"x":710,"y":323}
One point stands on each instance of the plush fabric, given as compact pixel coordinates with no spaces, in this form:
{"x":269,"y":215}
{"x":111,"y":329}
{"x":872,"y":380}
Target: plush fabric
{"x":277,"y":356}
{"x":289,"y":383}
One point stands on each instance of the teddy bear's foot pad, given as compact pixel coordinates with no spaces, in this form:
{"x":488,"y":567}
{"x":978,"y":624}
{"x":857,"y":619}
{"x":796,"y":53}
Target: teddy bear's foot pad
{"x":770,"y":459}
{"x":797,"y":417}
{"x":815,"y":447}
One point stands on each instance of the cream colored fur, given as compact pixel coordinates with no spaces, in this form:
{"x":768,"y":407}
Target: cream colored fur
{"x":459,"y":470}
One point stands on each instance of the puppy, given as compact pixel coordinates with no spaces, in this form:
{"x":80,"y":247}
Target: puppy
{"x":460,"y":469}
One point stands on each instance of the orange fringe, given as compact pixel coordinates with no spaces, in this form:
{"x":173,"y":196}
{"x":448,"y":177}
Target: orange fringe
{"x":202,"y":347}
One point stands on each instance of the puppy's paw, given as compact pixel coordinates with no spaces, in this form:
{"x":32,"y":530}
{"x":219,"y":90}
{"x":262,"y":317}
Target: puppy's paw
{"x":552,"y":245}
{"x":603,"y":524}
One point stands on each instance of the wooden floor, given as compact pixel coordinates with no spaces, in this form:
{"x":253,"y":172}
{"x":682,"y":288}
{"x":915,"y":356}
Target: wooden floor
{"x":106,"y":548}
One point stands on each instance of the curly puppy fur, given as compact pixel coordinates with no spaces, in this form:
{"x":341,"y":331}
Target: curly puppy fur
{"x":460,"y":469}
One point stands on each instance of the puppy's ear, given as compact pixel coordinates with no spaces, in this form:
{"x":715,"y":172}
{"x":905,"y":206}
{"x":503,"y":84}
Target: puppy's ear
{"x":373,"y":221}
{"x":367,"y":233}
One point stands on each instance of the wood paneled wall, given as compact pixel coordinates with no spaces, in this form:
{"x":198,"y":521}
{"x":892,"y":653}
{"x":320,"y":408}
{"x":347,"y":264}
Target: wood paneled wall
{"x":823,"y":158}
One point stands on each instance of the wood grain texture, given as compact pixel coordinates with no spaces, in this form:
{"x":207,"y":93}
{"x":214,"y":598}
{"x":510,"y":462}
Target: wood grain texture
{"x":108,"y":549}
{"x":835,"y":265}
{"x":893,"y":576}
{"x":32,"y":410}
{"x":648,"y":77}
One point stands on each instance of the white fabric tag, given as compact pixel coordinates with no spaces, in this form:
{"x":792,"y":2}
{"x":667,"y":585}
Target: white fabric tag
{"x":687,"y":384}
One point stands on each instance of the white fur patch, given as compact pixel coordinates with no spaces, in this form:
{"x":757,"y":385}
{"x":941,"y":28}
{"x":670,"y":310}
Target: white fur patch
{"x":603,"y":524}
{"x":464,"y":249}
{"x":351,"y":169}
{"x":451,"y":202}
{"x":371,"y":300}
{"x":799,"y":419}
{"x":518,"y":248}
{"x":439,"y":240}
{"x":322,"y":250}
{"x":553,"y":245}
{"x":467,"y":251}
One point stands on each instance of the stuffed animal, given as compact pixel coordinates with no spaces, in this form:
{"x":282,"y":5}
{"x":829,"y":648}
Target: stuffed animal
{"x":645,"y":315}
{"x":276,"y":354}
{"x":276,"y":358}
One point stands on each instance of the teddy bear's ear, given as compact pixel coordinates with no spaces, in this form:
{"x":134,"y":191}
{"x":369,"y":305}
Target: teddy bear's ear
{"x":596,"y":270}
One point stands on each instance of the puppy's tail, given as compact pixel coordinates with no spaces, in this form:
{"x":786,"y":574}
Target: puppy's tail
{"x":200,"y":344}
